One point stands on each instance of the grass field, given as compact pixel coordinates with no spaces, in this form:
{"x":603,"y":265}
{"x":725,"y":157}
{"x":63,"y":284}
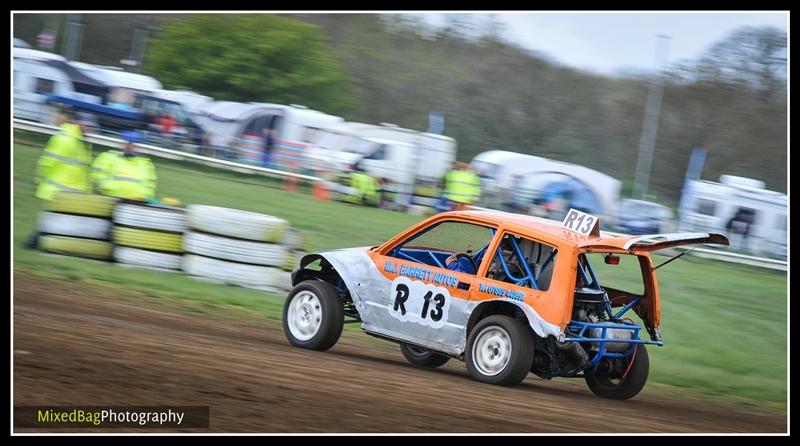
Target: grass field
{"x":724,"y":325}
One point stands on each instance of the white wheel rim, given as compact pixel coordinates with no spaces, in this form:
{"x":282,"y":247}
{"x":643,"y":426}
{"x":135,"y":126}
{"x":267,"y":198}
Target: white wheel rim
{"x":305,"y":315}
{"x":491,"y":350}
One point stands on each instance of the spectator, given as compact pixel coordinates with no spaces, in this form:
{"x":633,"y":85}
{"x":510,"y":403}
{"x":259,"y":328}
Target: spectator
{"x":166,"y":123}
{"x":364,"y":188}
{"x":738,"y":228}
{"x":269,"y":144}
{"x":461,"y":186}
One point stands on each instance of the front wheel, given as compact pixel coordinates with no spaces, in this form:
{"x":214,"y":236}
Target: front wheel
{"x":499,"y":351}
{"x":626,"y":385}
{"x":313,"y":316}
{"x":422,"y":356}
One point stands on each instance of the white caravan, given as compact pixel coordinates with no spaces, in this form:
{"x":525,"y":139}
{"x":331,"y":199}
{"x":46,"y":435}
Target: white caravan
{"x":241,"y":128}
{"x":708,"y":206}
{"x":123,"y":86}
{"x":37,"y":74}
{"x":116,"y":77}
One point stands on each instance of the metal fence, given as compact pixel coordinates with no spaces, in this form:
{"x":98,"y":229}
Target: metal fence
{"x":149,"y":149}
{"x":108,"y":141}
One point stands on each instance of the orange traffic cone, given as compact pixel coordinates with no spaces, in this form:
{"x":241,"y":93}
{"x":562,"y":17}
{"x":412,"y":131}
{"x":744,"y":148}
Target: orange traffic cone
{"x":320,"y":191}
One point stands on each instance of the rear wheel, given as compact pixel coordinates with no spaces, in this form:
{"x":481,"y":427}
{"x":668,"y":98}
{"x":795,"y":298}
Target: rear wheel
{"x":313,"y":316}
{"x":499,"y":351}
{"x":422,"y":356}
{"x":626,"y":385}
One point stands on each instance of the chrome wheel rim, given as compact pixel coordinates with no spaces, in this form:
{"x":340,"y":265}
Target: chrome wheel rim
{"x":305,"y":315}
{"x":491,"y":351}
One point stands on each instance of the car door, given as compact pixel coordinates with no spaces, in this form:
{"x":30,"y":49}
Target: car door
{"x":520,"y":270}
{"x":426,"y":303}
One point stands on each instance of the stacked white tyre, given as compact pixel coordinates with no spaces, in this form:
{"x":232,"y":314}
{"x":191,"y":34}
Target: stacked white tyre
{"x":238,"y":247}
{"x":149,"y":236}
{"x":77,"y":224}
{"x":297,"y":244}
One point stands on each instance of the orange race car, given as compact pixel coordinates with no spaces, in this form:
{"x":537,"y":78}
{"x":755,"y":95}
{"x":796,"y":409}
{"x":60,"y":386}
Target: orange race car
{"x":509,"y":294}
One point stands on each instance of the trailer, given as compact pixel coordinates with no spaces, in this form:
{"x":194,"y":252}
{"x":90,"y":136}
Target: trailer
{"x":709,"y":205}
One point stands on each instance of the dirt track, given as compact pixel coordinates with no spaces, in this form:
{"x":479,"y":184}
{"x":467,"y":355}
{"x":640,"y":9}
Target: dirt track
{"x":79,"y":344}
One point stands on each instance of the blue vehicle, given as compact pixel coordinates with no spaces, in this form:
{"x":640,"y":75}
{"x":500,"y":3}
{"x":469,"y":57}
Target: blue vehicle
{"x":141,"y":115}
{"x":637,"y":217}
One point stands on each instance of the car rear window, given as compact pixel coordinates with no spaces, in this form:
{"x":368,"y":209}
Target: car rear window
{"x":627,"y":276}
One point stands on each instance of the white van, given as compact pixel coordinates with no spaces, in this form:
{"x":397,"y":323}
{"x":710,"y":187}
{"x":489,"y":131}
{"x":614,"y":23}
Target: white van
{"x":402,"y":156}
{"x":336,"y":147}
{"x":432,"y":155}
{"x":708,"y":206}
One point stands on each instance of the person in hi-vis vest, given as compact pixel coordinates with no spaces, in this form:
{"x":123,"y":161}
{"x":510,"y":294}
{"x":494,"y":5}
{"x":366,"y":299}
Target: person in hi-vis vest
{"x":125,"y":174}
{"x":64,"y":163}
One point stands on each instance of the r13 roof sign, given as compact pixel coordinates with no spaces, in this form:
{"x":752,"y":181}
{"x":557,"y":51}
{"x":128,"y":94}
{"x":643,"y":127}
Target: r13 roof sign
{"x":582,"y":223}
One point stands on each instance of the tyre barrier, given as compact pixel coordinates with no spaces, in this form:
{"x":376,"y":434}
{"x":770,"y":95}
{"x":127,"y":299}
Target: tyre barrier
{"x":149,"y":236}
{"x":81,"y":204}
{"x":77,"y":224}
{"x":236,"y":250}
{"x":223,"y":245}
{"x":295,"y":240}
{"x":293,"y":260}
{"x":54,"y":223}
{"x":232,"y":246}
{"x":236,"y":223}
{"x":147,"y":239}
{"x":78,"y":247}
{"x":161,"y":218}
{"x":244,"y":275}
{"x":147,"y":259}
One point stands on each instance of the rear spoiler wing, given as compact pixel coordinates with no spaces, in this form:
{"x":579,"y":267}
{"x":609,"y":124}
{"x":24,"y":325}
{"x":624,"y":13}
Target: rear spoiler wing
{"x":654,"y":242}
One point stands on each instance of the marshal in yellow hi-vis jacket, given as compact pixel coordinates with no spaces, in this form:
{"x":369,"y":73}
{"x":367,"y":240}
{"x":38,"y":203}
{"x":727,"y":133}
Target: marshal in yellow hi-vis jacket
{"x":125,"y":174}
{"x":64,"y":165}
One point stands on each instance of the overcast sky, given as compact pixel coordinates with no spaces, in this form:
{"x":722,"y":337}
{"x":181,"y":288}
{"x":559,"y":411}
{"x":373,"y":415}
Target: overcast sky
{"x":609,"y":42}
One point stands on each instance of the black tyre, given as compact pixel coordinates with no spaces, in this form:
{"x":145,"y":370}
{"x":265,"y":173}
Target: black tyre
{"x":422,"y":356}
{"x":499,"y":351}
{"x":629,"y":384}
{"x":313,"y":316}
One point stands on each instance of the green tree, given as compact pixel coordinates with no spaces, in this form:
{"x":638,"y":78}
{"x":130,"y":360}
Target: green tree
{"x":250,"y":58}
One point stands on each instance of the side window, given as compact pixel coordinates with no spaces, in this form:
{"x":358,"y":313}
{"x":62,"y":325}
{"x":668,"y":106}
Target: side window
{"x":524,"y":262}
{"x":434,"y":246}
{"x":309,"y":134}
{"x":378,"y":154}
{"x":706,"y":207}
{"x":250,"y":128}
{"x":44,"y":86}
{"x":780,"y":223}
